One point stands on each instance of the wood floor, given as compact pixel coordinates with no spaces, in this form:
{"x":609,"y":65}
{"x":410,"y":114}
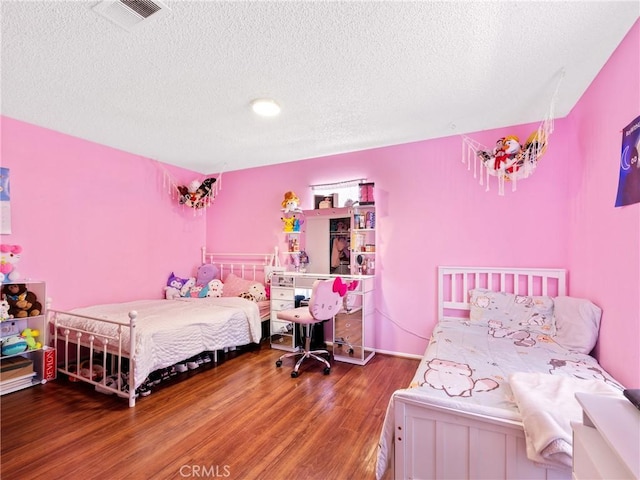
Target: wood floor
{"x":241,"y":419}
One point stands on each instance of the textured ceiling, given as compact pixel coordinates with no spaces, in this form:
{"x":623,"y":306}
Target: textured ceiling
{"x":348,"y":75}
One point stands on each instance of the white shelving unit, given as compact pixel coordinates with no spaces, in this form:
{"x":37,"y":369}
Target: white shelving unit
{"x":42,"y":359}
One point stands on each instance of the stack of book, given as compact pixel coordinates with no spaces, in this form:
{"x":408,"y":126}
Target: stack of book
{"x":15,"y":373}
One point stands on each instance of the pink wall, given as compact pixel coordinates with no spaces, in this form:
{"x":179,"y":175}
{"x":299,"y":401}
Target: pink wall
{"x":95,"y":223}
{"x":99,"y":225}
{"x":604,"y":258}
{"x":430,"y":212}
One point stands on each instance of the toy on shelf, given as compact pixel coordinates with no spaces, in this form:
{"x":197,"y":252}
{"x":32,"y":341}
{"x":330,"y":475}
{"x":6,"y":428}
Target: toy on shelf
{"x":291,"y":203}
{"x":297,"y":223}
{"x":288,"y":223}
{"x":294,"y":244}
{"x":22,"y":302}
{"x":13,"y":345}
{"x":4,"y":310}
{"x":30,"y":336}
{"x":9,"y":257}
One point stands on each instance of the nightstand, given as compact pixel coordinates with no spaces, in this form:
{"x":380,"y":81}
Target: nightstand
{"x":607,"y":444}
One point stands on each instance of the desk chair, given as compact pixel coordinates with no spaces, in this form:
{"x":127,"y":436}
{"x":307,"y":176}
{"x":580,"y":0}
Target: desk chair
{"x":325,"y":302}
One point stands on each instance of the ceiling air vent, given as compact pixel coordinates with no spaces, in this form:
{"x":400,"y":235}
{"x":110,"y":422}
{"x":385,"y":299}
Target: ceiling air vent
{"x":129,"y":14}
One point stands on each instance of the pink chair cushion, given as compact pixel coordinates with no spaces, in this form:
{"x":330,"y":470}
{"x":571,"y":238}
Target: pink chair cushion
{"x":297,"y":315}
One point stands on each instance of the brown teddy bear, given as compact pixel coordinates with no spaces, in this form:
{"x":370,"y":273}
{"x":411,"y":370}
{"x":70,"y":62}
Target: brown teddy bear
{"x":22,"y":303}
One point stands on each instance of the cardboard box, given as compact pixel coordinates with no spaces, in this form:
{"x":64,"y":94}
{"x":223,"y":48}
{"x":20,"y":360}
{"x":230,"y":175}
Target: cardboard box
{"x":14,"y":367}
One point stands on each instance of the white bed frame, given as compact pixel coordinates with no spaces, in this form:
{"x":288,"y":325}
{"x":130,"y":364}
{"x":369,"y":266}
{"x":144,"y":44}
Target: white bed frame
{"x":433,"y":442}
{"x":72,"y":343}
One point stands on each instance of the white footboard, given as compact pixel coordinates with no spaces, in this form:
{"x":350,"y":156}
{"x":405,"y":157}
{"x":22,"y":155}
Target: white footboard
{"x":106,"y":353}
{"x":432,"y":442}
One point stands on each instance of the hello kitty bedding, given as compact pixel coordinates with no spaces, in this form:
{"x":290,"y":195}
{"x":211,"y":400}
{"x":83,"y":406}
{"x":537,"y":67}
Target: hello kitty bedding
{"x":168,"y":331}
{"x":504,"y":362}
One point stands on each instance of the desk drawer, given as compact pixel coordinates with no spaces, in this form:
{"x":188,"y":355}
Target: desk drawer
{"x":348,"y":328}
{"x":282,"y":294}
{"x":278,"y":306}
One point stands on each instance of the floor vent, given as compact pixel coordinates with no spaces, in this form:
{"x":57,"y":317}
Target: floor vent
{"x":130,"y":14}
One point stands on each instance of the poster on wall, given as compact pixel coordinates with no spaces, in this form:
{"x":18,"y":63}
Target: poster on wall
{"x":629,"y":182}
{"x":5,"y":204}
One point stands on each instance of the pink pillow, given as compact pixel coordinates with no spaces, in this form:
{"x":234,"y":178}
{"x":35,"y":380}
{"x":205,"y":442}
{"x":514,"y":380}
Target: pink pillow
{"x":234,"y":285}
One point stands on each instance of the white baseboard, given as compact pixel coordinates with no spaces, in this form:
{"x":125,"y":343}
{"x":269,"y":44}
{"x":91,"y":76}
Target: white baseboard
{"x":399,"y":354}
{"x":387,"y":352}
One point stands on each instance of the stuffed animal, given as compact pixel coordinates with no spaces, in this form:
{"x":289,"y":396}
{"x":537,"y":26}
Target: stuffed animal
{"x":175,"y":282}
{"x":174,"y":285}
{"x":171,"y":293}
{"x":185,"y":291}
{"x":4,"y":310}
{"x":258,"y":291}
{"x":290,"y":203}
{"x":22,"y":302}
{"x":206,"y":273}
{"x":196,"y":194}
{"x":13,"y":345}
{"x":9,"y":256}
{"x":288,"y":223}
{"x":213,"y":289}
{"x":30,"y":336}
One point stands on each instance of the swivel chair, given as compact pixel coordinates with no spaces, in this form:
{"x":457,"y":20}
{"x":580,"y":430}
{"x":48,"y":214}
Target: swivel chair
{"x":325,"y":302}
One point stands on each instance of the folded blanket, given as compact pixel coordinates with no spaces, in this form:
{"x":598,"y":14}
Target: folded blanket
{"x":548,"y":405}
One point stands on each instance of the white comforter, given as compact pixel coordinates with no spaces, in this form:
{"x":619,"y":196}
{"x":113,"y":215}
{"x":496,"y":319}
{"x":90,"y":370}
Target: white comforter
{"x":169,"y":331}
{"x":467,"y":367}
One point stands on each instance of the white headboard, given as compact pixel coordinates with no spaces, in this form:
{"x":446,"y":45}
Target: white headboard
{"x":454,"y":284}
{"x":246,"y":265}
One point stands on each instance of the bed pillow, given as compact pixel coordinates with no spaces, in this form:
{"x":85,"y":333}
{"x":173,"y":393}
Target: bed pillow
{"x":515,"y":312}
{"x":577,"y":323}
{"x":234,"y":286}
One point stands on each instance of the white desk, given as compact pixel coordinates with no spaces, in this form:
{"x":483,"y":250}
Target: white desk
{"x":607,"y":444}
{"x":352,"y":330}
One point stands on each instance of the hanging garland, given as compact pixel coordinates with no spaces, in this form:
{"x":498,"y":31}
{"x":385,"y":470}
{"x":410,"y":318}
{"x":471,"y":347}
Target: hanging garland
{"x":509,"y":160}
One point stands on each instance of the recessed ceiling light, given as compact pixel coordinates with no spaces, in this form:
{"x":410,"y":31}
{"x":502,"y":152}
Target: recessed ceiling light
{"x":265,"y":107}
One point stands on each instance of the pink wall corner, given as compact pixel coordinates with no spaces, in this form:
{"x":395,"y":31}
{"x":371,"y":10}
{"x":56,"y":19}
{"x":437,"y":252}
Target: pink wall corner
{"x":430,"y":211}
{"x":97,"y":224}
{"x":604,"y":257}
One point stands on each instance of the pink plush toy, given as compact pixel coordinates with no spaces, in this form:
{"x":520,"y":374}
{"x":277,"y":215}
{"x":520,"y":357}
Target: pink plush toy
{"x":9,"y":256}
